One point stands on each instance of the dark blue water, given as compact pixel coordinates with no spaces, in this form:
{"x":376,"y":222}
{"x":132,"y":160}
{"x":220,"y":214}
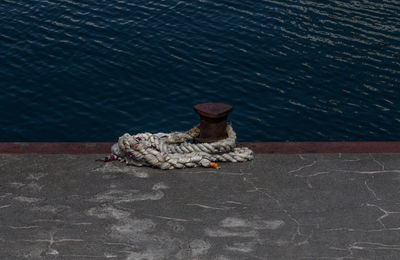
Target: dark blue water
{"x":73,"y":70}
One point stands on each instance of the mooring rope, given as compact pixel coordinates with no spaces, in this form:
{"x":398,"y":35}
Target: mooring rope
{"x":175,"y":151}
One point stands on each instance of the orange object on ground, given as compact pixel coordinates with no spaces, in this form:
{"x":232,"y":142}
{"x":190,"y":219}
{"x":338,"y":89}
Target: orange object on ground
{"x":214,"y":165}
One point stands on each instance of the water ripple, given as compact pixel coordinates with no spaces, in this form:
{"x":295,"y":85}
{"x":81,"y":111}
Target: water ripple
{"x":300,"y":70}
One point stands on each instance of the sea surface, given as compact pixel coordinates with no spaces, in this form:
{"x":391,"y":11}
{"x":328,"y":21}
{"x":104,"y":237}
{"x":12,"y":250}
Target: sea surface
{"x":294,"y":70}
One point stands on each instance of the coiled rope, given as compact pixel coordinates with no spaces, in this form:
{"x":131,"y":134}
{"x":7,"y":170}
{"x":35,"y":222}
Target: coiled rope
{"x":175,"y":151}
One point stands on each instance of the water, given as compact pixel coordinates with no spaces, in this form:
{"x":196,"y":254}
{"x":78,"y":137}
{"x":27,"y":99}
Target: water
{"x":73,"y":70}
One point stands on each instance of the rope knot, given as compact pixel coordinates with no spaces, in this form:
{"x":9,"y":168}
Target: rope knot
{"x":175,"y":151}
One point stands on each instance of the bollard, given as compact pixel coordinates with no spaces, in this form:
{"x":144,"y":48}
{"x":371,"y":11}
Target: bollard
{"x":212,"y":121}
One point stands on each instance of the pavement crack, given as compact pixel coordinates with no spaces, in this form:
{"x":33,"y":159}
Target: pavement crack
{"x":352,"y":160}
{"x":208,"y":207}
{"x":348,"y":256}
{"x":89,"y":256}
{"x":51,"y":241}
{"x":307,"y":177}
{"x":386,"y":213}
{"x":369,"y":172}
{"x":170,"y":218}
{"x":233,"y":202}
{"x":311,"y":175}
{"x":372,"y":245}
{"x":345,"y":229}
{"x":303,"y":167}
{"x":23,"y":227}
{"x":371,"y":190}
{"x":382,"y":165}
{"x":285,"y":211}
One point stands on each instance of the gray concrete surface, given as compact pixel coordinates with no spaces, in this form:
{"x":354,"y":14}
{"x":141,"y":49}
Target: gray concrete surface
{"x":312,"y":206}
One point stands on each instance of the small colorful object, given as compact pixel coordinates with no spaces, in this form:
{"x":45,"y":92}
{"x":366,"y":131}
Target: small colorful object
{"x":214,"y":165}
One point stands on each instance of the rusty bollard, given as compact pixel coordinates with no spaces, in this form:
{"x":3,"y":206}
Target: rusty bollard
{"x":212,"y":121}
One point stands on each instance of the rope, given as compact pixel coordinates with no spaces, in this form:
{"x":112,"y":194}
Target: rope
{"x":175,"y":151}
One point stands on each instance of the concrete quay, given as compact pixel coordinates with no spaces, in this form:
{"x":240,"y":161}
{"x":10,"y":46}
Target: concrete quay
{"x":279,"y":206}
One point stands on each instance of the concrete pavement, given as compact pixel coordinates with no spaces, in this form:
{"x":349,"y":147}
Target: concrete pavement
{"x":298,"y":206}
